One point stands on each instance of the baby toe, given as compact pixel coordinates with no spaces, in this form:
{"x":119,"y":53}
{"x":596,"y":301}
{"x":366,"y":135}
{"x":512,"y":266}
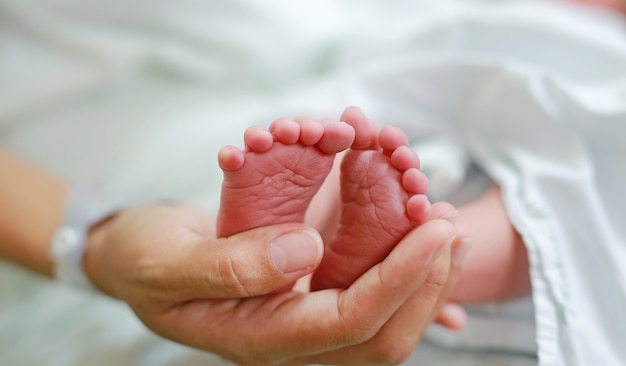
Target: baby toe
{"x":285,"y":130}
{"x":258,"y":139}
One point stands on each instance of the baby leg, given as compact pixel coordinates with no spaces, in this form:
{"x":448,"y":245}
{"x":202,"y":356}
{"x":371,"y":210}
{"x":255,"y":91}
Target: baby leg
{"x":281,"y":169}
{"x":496,"y":268}
{"x":383,"y":198}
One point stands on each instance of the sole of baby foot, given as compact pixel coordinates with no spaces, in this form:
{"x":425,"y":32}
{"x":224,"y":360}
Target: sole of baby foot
{"x":274,"y":179}
{"x":383,"y":197}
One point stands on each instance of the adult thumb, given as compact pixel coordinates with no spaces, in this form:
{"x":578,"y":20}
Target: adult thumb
{"x":258,"y":261}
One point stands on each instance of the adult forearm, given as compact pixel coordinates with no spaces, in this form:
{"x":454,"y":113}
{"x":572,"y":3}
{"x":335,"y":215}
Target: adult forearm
{"x":31,"y":208}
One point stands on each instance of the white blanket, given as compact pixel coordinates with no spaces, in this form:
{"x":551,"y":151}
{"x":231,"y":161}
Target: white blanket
{"x":140,"y":96}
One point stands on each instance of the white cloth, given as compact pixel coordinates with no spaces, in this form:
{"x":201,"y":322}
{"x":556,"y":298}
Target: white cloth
{"x":141,"y":95}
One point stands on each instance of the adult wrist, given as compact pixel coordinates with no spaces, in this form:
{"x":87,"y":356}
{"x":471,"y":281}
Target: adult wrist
{"x":96,"y":241}
{"x":85,"y":206}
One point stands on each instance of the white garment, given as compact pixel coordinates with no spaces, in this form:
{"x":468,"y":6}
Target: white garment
{"x":141,"y":96}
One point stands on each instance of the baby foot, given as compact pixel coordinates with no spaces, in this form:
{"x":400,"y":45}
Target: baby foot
{"x":275,"y":178}
{"x":383,"y":198}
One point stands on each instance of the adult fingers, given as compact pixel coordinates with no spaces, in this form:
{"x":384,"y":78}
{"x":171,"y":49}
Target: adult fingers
{"x":251,"y":263}
{"x":444,"y":211}
{"x":401,"y":274}
{"x":362,"y":310}
{"x":288,"y":325}
{"x":397,"y":339}
{"x":448,"y":314}
{"x":413,"y":267}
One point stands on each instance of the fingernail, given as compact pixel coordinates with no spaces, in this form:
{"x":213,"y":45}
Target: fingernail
{"x":296,"y":250}
{"x":450,"y":216}
{"x":460,"y":251}
{"x":443,"y":248}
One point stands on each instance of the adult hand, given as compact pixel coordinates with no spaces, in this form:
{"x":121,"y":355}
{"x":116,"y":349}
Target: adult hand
{"x":215,"y":294}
